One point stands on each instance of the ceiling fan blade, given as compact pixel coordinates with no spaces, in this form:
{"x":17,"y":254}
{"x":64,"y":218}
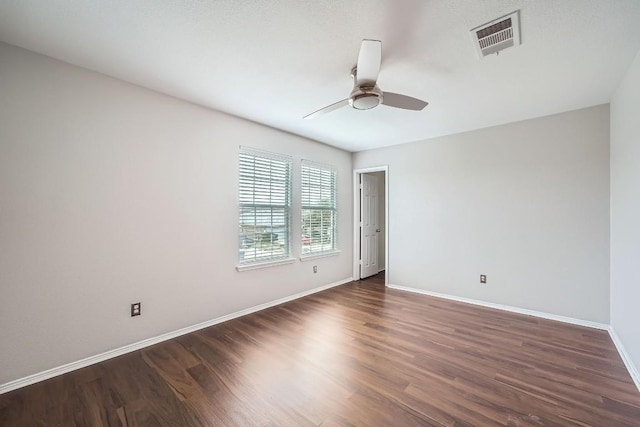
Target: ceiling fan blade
{"x":403,"y":101}
{"x":327,"y":109}
{"x":369,"y":62}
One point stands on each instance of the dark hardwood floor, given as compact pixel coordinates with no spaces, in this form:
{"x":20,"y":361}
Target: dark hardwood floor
{"x":358,"y":354}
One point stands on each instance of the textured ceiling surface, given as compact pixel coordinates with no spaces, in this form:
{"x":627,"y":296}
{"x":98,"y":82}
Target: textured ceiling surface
{"x":275,"y":61}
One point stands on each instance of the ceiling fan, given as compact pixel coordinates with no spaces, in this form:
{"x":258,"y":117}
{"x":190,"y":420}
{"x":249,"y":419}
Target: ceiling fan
{"x":366,"y":94}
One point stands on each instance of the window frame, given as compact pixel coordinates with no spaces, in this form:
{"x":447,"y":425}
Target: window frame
{"x":282,"y":163}
{"x":306,"y":205}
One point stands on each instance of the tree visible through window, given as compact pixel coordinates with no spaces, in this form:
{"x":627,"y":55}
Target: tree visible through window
{"x":318,"y":184}
{"x":265,"y":206}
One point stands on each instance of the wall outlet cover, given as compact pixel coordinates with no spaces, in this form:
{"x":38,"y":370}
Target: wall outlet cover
{"x":136,"y":309}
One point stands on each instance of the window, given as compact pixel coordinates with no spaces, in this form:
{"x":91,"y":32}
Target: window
{"x":265,"y":207}
{"x":318,"y":208}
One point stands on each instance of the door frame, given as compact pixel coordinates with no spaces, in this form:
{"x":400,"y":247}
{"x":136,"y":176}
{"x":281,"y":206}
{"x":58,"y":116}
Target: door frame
{"x":356,"y":219}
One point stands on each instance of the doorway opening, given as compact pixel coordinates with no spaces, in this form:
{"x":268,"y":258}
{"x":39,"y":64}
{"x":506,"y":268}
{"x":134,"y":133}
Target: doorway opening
{"x":371,"y":219}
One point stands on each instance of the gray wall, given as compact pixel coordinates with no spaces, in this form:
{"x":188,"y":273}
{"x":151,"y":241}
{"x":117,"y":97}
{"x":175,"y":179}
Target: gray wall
{"x":112,"y":194}
{"x":525,"y":203}
{"x":625,"y":212}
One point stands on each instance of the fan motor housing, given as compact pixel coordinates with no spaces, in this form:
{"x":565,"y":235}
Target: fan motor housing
{"x":365,"y":98}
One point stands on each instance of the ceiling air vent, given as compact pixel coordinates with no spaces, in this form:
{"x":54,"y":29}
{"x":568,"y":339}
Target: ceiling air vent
{"x":497,"y":35}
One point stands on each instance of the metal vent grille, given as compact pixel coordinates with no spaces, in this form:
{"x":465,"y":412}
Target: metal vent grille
{"x":497,"y":35}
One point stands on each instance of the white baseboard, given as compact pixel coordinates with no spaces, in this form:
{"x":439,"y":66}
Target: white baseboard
{"x":512,"y":309}
{"x":50,"y":373}
{"x":633,"y":371}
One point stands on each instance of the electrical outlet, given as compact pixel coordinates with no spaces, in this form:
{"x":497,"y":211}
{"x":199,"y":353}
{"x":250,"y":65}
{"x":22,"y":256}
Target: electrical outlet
{"x":483,"y":278}
{"x":315,"y":269}
{"x":136,"y":309}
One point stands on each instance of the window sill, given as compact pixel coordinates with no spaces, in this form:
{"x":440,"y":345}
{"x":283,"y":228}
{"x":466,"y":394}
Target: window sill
{"x":320,"y":255}
{"x":257,"y":265}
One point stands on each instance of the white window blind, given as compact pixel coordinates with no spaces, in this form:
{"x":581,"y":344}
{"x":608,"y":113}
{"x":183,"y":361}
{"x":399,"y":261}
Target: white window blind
{"x":265,"y":206}
{"x":318,"y":183}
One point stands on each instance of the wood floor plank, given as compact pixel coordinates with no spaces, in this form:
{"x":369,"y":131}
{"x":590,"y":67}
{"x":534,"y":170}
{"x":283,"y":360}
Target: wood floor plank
{"x":358,"y":354}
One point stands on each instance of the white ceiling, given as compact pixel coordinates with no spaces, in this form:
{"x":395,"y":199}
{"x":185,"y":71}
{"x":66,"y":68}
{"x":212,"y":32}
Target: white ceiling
{"x":275,"y":61}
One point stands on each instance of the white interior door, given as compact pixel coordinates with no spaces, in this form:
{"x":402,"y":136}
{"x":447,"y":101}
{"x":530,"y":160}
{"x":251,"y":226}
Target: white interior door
{"x":370,"y":225}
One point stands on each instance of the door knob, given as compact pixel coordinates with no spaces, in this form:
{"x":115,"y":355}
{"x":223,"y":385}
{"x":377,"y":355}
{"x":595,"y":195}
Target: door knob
{"x":378,"y":230}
